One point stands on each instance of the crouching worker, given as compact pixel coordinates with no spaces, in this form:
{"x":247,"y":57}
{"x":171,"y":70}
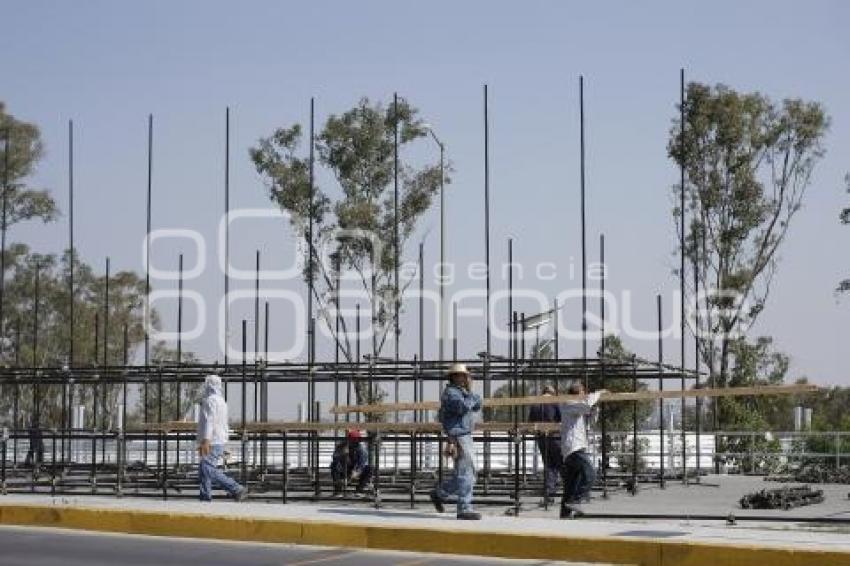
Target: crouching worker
{"x":213,"y":432}
{"x":458,"y":405}
{"x":350,"y":463}
{"x":578,"y":471}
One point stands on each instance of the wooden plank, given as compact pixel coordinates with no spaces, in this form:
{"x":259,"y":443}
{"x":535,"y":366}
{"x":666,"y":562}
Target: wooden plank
{"x":285,"y":426}
{"x":605,"y":398}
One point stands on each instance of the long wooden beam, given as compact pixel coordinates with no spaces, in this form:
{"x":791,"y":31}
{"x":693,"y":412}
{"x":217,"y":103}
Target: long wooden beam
{"x":604,"y":398}
{"x":286,"y":426}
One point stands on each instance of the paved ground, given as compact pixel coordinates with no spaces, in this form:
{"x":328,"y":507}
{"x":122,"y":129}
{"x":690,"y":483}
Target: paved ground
{"x":714,"y":495}
{"x":717,"y":495}
{"x":58,"y":547}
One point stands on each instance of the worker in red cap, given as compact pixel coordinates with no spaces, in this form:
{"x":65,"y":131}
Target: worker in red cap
{"x":350,"y":464}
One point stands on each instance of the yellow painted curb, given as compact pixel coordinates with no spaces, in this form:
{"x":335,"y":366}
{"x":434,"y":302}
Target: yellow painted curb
{"x":612,"y":550}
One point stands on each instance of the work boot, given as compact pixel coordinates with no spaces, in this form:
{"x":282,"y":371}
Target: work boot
{"x":570,"y":512}
{"x":469,"y":516}
{"x":438,"y":503}
{"x":242,"y":495}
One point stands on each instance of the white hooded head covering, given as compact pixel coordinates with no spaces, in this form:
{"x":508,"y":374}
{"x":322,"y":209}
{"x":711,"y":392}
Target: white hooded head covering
{"x":212,"y":385}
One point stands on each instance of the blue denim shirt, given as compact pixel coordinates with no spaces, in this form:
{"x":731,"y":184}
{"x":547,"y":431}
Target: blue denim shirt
{"x":457,"y":406}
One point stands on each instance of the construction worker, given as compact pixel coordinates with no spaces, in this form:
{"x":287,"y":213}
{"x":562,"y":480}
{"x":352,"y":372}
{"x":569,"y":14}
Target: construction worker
{"x":458,"y":405}
{"x":578,"y":471}
{"x":35,"y":454}
{"x":548,"y":444}
{"x":213,"y":433}
{"x":350,"y":463}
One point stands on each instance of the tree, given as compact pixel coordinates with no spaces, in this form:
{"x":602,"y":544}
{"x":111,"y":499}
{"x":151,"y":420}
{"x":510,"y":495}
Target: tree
{"x":618,"y":416}
{"x":358,"y":148}
{"x":844,"y":216}
{"x":21,"y":149}
{"x":93,"y":347}
{"x":749,"y":163}
{"x":44,"y":341}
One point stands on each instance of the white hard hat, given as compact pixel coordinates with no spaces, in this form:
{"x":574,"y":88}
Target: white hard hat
{"x":456,"y":369}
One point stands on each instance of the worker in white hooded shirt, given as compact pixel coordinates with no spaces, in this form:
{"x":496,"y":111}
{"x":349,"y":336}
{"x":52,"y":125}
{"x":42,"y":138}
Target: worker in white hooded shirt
{"x":213,"y":432}
{"x":577,"y":471}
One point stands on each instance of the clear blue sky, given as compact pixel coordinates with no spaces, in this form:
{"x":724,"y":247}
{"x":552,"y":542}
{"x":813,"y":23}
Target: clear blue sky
{"x":107,"y":64}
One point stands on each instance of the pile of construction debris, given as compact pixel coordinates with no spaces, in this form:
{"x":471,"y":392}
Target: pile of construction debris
{"x":782,"y":498}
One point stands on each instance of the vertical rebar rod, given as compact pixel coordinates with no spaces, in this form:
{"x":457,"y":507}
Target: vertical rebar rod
{"x":419,"y":383}
{"x":660,"y":388}
{"x":511,"y":313}
{"x":310,"y":237}
{"x":148,"y":247}
{"x":146,"y":319}
{"x":244,"y":463}
{"x":338,"y":268}
{"x":95,"y":412}
{"x":71,"y":294}
{"x":442,"y":254}
{"x":103,"y":420}
{"x":126,"y":357}
{"x":698,"y":409}
{"x":356,"y":360}
{"x":226,"y":329}
{"x":6,"y":150}
{"x":179,"y":414}
{"x":487,"y":240}
{"x":515,"y":433}
{"x":265,"y":386}
{"x":396,"y":240}
{"x":256,"y":348}
{"x":36,"y":388}
{"x":106,"y":316}
{"x":682,"y":268}
{"x":583,"y":232}
{"x":178,"y":385}
{"x":16,"y":394}
{"x":635,"y":447}
{"x":121,"y":438}
{"x":603,"y":414}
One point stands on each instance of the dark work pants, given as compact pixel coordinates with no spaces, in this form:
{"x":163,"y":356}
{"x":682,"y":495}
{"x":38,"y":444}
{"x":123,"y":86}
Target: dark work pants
{"x":550,"y":454}
{"x":578,"y":475}
{"x":340,"y":472}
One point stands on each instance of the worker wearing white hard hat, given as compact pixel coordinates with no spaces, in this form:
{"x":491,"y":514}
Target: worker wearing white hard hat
{"x":458,"y":406}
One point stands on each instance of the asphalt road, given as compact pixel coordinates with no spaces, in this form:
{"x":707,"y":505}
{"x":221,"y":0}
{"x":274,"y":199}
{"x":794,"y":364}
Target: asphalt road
{"x":59,"y":547}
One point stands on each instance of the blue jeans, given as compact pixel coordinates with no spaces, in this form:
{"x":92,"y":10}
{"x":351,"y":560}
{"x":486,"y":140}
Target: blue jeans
{"x":459,"y":486}
{"x":579,"y":476}
{"x":208,"y":473}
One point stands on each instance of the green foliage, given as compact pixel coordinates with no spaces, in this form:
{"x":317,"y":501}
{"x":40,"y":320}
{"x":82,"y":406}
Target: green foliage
{"x":52,"y":328}
{"x":748,"y":161}
{"x":44,"y":341}
{"x":626,"y":459}
{"x":20,"y":150}
{"x":618,"y":416}
{"x":357,"y":147}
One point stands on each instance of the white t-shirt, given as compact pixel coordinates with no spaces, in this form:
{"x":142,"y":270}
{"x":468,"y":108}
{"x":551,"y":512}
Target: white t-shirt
{"x":574,"y":423}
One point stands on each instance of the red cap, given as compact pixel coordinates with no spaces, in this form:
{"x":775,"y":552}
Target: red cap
{"x":354,"y":435}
